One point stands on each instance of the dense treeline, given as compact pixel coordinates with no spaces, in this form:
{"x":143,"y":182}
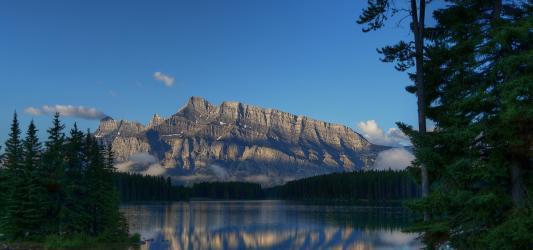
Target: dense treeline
{"x":64,"y":189}
{"x":368,"y":187}
{"x":137,"y":187}
{"x":227,"y":190}
{"x":372,"y":187}
{"x":474,"y":80}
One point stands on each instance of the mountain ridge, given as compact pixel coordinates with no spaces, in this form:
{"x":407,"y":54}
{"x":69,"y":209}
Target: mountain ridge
{"x":237,"y":141}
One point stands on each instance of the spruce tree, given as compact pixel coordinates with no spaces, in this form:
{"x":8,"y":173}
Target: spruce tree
{"x":13,"y":153}
{"x":75,"y":217}
{"x":13,"y":164}
{"x":54,"y":179}
{"x":479,"y":68}
{"x":66,"y":189}
{"x":116,"y":226}
{"x":97,"y":188}
{"x":34,"y":194}
{"x":94,"y":163}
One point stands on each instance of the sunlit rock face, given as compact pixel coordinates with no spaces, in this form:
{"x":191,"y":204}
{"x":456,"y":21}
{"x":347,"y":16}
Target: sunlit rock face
{"x":244,"y":142}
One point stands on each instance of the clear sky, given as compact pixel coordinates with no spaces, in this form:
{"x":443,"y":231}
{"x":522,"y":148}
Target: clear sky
{"x":304,"y":57}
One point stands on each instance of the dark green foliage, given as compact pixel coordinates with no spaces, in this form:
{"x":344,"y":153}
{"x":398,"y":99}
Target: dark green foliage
{"x":227,"y":190}
{"x":54,"y":177}
{"x":365,"y":187}
{"x":33,"y":195}
{"x":136,"y":187}
{"x":374,"y":15}
{"x":478,"y":75}
{"x":63,"y":191}
{"x":15,"y":177}
{"x":102,"y":197}
{"x":13,"y":152}
{"x":76,"y":182}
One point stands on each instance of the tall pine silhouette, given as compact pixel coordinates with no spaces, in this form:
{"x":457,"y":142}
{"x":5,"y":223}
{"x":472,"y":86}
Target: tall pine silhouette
{"x":12,"y":221}
{"x":75,"y":217}
{"x":54,"y":179}
{"x":478,"y":68}
{"x":34,"y":195}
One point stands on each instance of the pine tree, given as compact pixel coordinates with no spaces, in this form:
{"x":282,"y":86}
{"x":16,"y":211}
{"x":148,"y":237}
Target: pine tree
{"x":94,"y":173}
{"x":102,"y":195}
{"x":75,"y":217}
{"x":479,"y":69}
{"x":54,"y":179}
{"x":66,"y":189}
{"x":34,"y":195}
{"x":13,"y":164}
{"x":115,"y":223}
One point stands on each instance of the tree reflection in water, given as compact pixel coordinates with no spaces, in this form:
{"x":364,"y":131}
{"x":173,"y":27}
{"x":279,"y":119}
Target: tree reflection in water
{"x":268,"y":225}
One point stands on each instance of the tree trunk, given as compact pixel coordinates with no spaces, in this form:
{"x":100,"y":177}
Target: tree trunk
{"x":418,"y":31}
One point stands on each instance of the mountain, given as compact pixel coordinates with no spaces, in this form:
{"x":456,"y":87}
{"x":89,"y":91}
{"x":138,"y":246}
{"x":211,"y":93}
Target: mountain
{"x":235,"y":141}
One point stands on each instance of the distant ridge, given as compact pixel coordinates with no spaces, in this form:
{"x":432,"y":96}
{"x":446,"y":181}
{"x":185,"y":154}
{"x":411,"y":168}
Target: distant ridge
{"x":235,"y":141}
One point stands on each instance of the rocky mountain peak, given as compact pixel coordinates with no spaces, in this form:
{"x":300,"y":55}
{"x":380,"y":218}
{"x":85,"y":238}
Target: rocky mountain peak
{"x":198,"y":104}
{"x":247,"y":143}
{"x":156,"y":120}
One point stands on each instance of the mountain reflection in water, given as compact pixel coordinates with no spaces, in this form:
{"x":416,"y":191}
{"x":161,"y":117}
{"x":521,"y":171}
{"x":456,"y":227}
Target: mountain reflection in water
{"x":267,"y":225}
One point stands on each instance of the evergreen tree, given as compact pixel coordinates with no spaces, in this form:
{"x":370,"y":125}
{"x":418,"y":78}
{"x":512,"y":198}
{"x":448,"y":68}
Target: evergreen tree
{"x":13,"y":164}
{"x":34,"y":195}
{"x":65,"y":190}
{"x":54,"y":179}
{"x":116,"y":225}
{"x":13,"y":153}
{"x":75,"y":219}
{"x":94,"y":173}
{"x":479,"y":68}
{"x":102,"y":196}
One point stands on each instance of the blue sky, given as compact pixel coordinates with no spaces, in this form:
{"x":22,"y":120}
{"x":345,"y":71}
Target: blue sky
{"x":303,"y":57}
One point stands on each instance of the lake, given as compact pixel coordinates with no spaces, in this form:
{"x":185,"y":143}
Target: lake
{"x":268,"y":225}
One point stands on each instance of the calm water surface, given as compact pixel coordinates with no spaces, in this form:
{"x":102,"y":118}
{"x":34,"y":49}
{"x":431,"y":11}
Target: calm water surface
{"x":268,"y":225}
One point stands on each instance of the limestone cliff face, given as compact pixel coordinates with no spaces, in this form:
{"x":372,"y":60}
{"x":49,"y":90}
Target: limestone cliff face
{"x":236,"y":141}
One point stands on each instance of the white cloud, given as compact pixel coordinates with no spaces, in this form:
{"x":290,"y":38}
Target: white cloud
{"x":376,"y":135}
{"x":166,"y":79}
{"x":395,"y":159}
{"x":124,"y":166}
{"x":67,"y":110}
{"x":220,"y":172}
{"x":33,"y":111}
{"x":143,"y":158}
{"x":143,"y":163}
{"x":155,"y":170}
